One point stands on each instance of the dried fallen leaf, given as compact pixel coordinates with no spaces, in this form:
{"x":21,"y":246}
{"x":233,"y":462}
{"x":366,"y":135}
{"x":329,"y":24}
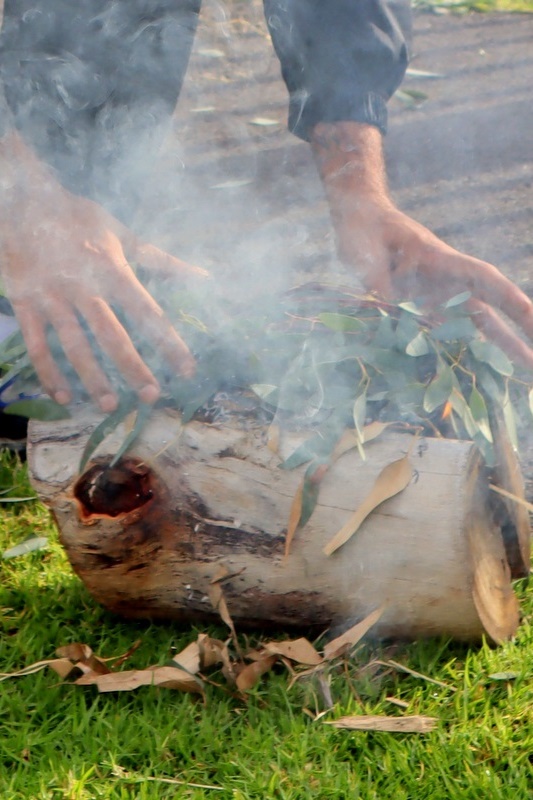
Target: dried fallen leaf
{"x":391,"y":480}
{"x":351,"y":637}
{"x":218,"y":601}
{"x":236,"y":184}
{"x":212,"y":651}
{"x":349,"y":439}
{"x":273,"y":438}
{"x":299,"y":650}
{"x":58,"y":664}
{"x":414,"y":724}
{"x":294,"y":517}
{"x":83,"y":657}
{"x":264,"y":122}
{"x":189,"y":658}
{"x":251,"y":673}
{"x":167,"y":677}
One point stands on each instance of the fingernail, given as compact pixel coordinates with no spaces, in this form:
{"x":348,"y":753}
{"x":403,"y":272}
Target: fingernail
{"x":108,"y":402}
{"x":149,"y":393}
{"x":62,"y":397}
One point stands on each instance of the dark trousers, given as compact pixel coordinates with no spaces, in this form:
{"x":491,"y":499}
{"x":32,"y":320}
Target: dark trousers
{"x":93,"y":85}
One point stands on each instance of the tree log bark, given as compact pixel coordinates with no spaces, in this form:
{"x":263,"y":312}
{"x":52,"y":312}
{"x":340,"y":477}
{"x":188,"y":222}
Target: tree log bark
{"x":149,"y":536}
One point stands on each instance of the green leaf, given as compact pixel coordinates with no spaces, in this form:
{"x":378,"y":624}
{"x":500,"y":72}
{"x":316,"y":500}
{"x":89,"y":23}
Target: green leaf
{"x":107,"y":426}
{"x":453,"y":329}
{"x":143,"y":414}
{"x":492,"y":384}
{"x":411,"y":308}
{"x":479,"y":411}
{"x":407,"y":329}
{"x":411,"y":98}
{"x":385,"y":336}
{"x":418,"y":346}
{"x":263,"y":390}
{"x":304,"y":453}
{"x":457,"y":300}
{"x":40,"y":408}
{"x":310,"y":492}
{"x":492,"y":355}
{"x":341,"y":322}
{"x":439,"y":390}
{"x":461,"y":407}
{"x":27,"y":546}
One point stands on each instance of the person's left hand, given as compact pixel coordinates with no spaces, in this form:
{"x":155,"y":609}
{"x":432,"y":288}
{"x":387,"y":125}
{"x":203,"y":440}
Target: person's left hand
{"x":397,"y":257}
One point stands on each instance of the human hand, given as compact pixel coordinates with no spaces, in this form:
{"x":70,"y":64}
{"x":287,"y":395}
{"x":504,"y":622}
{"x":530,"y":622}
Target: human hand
{"x":397,"y":257}
{"x":64,"y":258}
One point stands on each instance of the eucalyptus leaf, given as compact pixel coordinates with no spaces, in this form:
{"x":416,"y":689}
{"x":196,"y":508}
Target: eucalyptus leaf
{"x":310,"y":491}
{"x":341,"y":322}
{"x":439,"y":390}
{"x":41,"y":408}
{"x":106,"y":427}
{"x":411,"y":308}
{"x":480,"y":414}
{"x":29,"y":545}
{"x":264,"y":390}
{"x":453,"y":329}
{"x":457,"y":300}
{"x":418,"y":346}
{"x":492,"y":355}
{"x":461,"y":407}
{"x":143,"y":415}
{"x":410,"y":97}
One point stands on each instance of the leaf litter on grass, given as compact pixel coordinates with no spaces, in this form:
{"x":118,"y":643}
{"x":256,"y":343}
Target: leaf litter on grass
{"x":77,"y":664}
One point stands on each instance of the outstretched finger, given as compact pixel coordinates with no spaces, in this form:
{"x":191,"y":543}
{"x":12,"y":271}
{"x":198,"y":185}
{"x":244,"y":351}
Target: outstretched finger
{"x":486,"y":283}
{"x":149,"y":318}
{"x":498,"y":331}
{"x":33,"y":327}
{"x":80,"y":354}
{"x":114,"y":340}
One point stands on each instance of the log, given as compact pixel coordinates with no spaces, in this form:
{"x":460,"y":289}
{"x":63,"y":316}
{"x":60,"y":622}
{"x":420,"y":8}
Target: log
{"x":190,"y":503}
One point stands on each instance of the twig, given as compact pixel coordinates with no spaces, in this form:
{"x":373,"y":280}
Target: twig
{"x":415,"y":674}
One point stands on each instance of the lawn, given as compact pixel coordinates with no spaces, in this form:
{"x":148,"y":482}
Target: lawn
{"x":65,"y":741}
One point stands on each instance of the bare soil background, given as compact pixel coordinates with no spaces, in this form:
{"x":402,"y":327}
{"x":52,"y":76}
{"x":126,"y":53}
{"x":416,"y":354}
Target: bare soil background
{"x":244,"y":199}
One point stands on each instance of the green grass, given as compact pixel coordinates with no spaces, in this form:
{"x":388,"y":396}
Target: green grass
{"x":62,"y":741}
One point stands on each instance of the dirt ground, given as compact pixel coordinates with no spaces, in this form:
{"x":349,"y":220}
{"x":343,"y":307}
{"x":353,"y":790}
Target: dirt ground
{"x":244,"y":200}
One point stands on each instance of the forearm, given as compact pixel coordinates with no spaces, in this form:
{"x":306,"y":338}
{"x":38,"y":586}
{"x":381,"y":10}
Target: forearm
{"x":349,"y":158}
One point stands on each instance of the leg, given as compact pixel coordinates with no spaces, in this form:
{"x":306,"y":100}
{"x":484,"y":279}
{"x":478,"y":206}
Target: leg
{"x":93,"y":85}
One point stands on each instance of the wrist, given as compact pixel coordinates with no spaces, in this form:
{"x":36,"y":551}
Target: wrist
{"x":349,"y":158}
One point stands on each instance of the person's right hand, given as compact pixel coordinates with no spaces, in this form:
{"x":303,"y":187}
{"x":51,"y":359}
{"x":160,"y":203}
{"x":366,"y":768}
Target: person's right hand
{"x":64,"y":258}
